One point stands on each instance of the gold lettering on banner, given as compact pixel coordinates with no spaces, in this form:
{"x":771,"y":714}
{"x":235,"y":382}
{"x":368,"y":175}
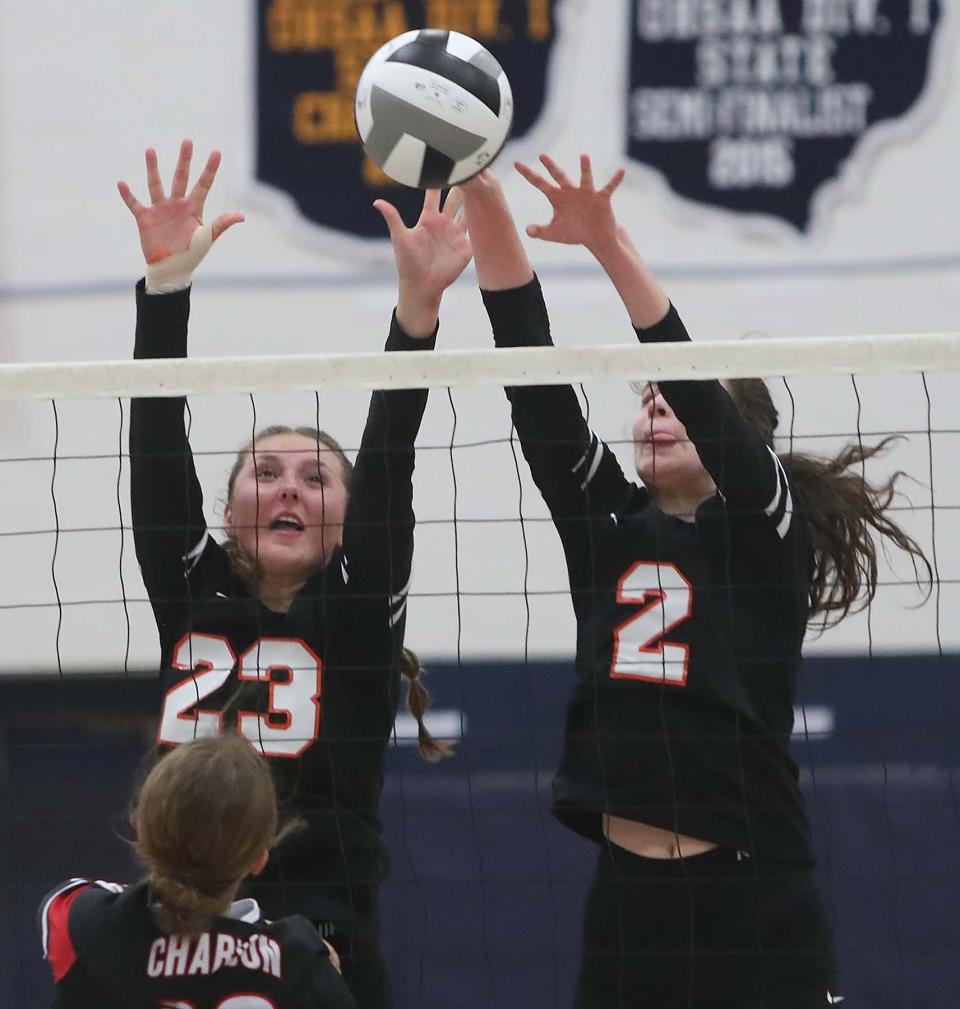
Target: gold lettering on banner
{"x":351,"y":31}
{"x":320,"y":117}
{"x":538,"y":20}
{"x":318,"y":25}
{"x":480,"y":19}
{"x":374,"y":175}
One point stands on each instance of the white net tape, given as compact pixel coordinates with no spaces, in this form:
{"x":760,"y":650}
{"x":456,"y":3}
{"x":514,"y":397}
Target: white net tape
{"x":934,"y":352}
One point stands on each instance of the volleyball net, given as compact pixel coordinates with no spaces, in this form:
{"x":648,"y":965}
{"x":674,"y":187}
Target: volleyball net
{"x":72,"y":599}
{"x":489,"y":613}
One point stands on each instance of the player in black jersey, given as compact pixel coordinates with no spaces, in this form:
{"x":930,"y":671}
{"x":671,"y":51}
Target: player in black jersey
{"x":204,"y":819}
{"x":692,"y":593}
{"x":303,"y":609}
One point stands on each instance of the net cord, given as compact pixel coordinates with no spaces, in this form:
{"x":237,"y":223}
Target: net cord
{"x":906,"y":353}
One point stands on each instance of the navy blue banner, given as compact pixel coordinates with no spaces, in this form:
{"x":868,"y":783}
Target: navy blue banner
{"x":310,"y":54}
{"x":483,"y":903}
{"x":752,"y":105}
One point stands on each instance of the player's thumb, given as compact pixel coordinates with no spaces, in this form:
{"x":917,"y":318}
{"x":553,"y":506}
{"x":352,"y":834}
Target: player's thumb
{"x":225,"y":221}
{"x":391,"y":216}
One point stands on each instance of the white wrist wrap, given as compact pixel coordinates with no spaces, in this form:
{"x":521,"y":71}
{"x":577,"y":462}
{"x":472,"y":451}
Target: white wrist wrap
{"x":176,"y":272}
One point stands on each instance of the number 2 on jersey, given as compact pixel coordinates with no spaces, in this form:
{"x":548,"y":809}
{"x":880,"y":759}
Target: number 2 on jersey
{"x":293,"y":702}
{"x":639,"y":651}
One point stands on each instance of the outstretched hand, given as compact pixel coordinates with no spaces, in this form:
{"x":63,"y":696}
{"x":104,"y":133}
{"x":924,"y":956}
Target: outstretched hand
{"x":167,"y":226}
{"x":582,"y":214}
{"x":433,"y":253}
{"x":430,"y":256}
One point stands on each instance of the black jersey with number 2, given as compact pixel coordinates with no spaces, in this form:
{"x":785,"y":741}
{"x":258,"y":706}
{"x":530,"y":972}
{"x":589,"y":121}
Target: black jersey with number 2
{"x":313,"y":689}
{"x":688,"y":633}
{"x":106,"y":952}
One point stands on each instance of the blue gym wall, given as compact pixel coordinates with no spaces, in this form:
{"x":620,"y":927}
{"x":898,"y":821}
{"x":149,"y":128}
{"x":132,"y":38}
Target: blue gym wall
{"x":482,"y":908}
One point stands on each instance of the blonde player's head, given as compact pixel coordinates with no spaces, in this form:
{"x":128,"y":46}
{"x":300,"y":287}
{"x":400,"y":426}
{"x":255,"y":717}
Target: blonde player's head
{"x":204,"y":819}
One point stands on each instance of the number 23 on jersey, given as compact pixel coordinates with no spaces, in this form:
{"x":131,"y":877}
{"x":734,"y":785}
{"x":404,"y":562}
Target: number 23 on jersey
{"x":292,"y":722}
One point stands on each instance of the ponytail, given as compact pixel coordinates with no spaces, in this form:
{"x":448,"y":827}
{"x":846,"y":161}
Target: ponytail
{"x":842,"y":511}
{"x":183,"y":908}
{"x":418,"y":704}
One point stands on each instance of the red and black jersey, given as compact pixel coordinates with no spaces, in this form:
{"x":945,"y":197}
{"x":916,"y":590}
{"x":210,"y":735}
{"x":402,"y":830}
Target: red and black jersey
{"x":688,"y":633}
{"x":106,"y":952}
{"x":314,"y":689}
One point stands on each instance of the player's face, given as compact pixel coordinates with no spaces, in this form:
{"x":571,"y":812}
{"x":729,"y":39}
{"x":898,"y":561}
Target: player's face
{"x":664,"y":456}
{"x":288,"y":505}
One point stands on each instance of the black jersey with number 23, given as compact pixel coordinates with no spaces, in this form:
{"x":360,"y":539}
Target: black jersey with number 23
{"x":314,"y":689}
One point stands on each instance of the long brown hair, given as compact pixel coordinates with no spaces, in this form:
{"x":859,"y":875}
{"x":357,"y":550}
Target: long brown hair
{"x":842,"y":511}
{"x":418,"y":704}
{"x":245,"y":567}
{"x":201,"y":817}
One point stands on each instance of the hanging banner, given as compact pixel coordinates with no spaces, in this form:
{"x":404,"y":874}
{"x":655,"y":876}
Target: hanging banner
{"x":752,"y":105}
{"x":310,"y":54}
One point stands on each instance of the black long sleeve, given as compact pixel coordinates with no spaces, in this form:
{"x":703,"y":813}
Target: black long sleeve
{"x":746,"y":471}
{"x":170,"y":532}
{"x":577,"y":473}
{"x":378,"y":531}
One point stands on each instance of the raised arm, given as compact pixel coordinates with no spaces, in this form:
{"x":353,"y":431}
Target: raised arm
{"x":577,"y":473}
{"x":378,"y":532}
{"x":166,"y":502}
{"x":744,"y":469}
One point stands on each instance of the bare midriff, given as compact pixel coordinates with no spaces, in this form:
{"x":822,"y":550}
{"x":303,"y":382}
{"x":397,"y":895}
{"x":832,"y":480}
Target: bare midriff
{"x":652,"y":842}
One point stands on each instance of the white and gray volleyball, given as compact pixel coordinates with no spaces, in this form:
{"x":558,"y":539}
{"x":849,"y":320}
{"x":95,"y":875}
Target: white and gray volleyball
{"x":433,"y":108}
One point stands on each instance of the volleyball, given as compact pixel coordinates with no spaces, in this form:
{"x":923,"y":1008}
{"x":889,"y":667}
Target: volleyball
{"x":433,"y":108}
